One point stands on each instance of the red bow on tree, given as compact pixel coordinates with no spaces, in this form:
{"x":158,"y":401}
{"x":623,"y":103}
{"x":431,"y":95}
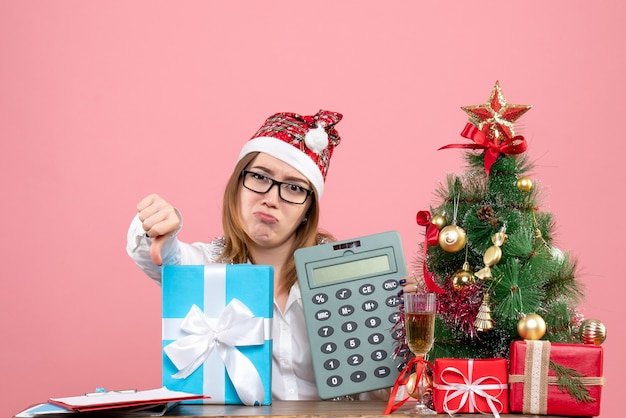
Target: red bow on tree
{"x":493,"y":148}
{"x":431,"y":235}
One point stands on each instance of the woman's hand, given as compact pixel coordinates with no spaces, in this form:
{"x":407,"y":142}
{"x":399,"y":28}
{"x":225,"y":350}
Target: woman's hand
{"x":409,"y":284}
{"x":159,"y":219}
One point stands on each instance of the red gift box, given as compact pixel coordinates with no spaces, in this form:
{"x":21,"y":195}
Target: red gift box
{"x":471,"y":386}
{"x":534,"y":386}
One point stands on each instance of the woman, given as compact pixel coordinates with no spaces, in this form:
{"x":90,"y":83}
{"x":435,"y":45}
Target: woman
{"x":270,"y":209}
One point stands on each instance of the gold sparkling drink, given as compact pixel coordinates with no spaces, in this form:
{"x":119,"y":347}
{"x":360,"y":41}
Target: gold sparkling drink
{"x":419,"y":323}
{"x":420,"y":328}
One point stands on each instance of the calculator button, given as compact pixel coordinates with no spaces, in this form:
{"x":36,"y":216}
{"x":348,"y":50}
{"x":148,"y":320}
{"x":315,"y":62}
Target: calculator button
{"x":322,"y":315}
{"x":382,"y":371}
{"x":379,"y":355}
{"x":325,"y":331}
{"x":331,"y":364}
{"x":355,"y":360}
{"x":390,"y":284}
{"x":329,"y":348}
{"x":394,"y":317}
{"x":369,"y":306}
{"x":334,"y":381}
{"x":376,"y":338}
{"x":352,"y":343}
{"x":346,"y":310}
{"x":397,"y":334}
{"x":320,"y":298}
{"x":343,"y":294}
{"x":372,"y":322}
{"x":349,"y":326}
{"x":358,"y":376}
{"x":366,"y":289}
{"x":392,"y":301}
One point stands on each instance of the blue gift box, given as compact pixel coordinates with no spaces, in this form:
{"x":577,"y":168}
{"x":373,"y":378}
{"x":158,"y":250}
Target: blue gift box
{"x":217,"y":331}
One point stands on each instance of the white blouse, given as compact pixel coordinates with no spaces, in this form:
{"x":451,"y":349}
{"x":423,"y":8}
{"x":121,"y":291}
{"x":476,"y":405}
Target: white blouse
{"x":292,"y":367}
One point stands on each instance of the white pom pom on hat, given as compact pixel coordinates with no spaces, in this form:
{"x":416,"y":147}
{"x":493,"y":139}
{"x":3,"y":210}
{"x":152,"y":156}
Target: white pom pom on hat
{"x":316,"y":139}
{"x":304,"y":142}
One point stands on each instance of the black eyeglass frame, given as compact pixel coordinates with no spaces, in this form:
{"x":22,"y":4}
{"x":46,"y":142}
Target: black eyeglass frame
{"x":272,"y":184}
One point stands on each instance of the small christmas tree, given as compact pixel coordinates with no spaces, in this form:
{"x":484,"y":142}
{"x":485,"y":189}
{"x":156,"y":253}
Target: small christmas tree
{"x":488,"y":250}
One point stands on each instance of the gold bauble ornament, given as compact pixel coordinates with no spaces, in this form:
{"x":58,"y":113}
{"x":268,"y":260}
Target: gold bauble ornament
{"x":463,"y":277}
{"x":592,"y":331}
{"x":439,"y":221}
{"x":452,"y":238}
{"x":531,"y":327}
{"x":410,"y":386}
{"x":425,"y":385}
{"x":524,"y":184}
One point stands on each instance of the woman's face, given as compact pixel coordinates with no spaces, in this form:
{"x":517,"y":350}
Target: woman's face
{"x":269,"y":220}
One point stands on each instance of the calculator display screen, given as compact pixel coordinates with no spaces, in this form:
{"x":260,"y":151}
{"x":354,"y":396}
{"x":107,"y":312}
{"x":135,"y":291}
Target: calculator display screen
{"x":351,"y":270}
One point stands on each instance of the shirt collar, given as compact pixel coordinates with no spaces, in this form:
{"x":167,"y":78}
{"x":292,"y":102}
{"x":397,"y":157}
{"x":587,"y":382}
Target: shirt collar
{"x":295,"y":296}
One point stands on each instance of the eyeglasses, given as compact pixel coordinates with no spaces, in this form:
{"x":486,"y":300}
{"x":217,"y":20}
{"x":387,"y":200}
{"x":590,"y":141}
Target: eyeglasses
{"x":289,"y":192}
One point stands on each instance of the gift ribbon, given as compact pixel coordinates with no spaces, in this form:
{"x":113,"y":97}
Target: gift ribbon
{"x":235,"y":326}
{"x":469,"y":389}
{"x":536,"y":364}
{"x":403,"y":378}
{"x":493,"y":149}
{"x":553,"y":380}
{"x":431,"y":237}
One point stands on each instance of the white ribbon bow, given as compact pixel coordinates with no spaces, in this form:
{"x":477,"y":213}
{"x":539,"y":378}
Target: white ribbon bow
{"x":469,"y":390}
{"x":235,"y":326}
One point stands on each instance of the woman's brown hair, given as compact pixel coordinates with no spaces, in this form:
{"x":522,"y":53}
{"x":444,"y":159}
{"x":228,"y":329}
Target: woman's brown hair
{"x":236,"y":240}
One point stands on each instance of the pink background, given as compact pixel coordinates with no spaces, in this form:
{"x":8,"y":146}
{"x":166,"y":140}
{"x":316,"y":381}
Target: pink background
{"x":103,"y":102}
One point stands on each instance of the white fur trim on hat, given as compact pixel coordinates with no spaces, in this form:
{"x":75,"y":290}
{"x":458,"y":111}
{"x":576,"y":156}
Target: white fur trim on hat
{"x":288,"y":154}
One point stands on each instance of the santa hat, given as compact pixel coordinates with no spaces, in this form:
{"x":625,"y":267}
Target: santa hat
{"x":304,"y":142}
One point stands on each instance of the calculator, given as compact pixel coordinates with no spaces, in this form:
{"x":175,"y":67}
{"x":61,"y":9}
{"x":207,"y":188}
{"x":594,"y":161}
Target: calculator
{"x":350,"y":298}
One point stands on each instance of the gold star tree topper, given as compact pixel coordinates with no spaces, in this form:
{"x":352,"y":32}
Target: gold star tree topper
{"x":495,"y":118}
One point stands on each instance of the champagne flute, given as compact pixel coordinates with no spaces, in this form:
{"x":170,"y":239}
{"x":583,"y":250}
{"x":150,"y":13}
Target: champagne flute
{"x":419,"y":312}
